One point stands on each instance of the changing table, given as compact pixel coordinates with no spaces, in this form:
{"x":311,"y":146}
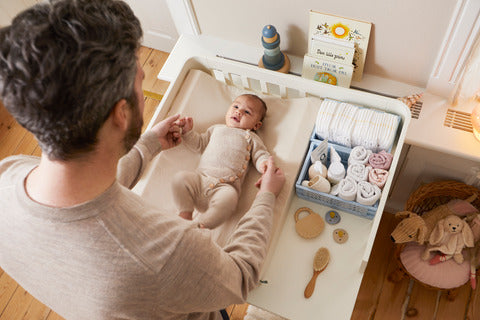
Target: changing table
{"x":289,"y":265}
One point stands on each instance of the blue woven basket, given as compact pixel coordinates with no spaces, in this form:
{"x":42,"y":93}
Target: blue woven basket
{"x":326,"y":199}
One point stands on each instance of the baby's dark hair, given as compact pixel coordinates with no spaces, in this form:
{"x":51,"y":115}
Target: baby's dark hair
{"x":259,"y":100}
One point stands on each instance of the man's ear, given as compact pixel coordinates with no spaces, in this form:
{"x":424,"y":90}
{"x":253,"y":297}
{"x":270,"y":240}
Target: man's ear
{"x":119,"y":114}
{"x":257,"y":125}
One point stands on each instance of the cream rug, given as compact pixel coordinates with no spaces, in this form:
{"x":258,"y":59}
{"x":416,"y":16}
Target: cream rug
{"x":254,"y":313}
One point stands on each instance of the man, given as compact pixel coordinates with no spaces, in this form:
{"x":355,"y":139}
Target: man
{"x":71,"y":232}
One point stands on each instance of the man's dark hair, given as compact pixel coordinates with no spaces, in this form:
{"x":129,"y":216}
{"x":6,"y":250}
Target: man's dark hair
{"x":64,"y":65}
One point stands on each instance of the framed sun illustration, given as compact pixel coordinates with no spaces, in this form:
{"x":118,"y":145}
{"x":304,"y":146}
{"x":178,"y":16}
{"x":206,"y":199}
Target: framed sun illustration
{"x":344,"y":29}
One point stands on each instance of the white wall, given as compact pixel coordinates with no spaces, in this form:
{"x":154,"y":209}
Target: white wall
{"x":9,"y":9}
{"x":404,"y":43}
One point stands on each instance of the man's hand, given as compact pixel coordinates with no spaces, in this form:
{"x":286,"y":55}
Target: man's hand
{"x":185,"y":124}
{"x":272,"y":180}
{"x":168,"y":133}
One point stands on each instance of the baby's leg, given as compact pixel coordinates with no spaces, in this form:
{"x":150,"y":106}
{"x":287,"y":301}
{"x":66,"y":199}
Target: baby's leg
{"x":222,"y":204}
{"x":186,"y":187}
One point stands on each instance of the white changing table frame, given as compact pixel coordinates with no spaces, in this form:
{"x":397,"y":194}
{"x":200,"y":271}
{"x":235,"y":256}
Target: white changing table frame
{"x":289,"y":264}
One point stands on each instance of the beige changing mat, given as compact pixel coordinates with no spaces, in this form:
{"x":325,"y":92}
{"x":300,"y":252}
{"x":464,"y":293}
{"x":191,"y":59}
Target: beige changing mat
{"x":286,"y":132}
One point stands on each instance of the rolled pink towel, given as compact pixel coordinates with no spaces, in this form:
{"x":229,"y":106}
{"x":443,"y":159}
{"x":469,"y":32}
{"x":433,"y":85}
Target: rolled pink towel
{"x":378,"y":177}
{"x":381,"y":160}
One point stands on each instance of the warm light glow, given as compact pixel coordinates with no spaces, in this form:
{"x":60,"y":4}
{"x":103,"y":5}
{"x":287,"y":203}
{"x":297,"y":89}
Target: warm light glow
{"x":476,"y":121}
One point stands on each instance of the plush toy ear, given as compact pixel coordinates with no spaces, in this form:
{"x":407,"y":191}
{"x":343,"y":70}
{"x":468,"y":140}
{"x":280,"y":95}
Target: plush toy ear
{"x":467,"y":235}
{"x":437,"y":233}
{"x":422,"y":234}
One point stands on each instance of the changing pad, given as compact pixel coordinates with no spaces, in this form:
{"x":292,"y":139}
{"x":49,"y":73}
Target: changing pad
{"x":286,"y":131}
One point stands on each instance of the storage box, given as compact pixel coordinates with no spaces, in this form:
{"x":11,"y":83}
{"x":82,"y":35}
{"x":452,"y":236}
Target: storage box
{"x":325,"y":198}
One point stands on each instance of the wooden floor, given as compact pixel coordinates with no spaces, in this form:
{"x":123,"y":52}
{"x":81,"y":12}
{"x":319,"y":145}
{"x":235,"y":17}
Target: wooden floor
{"x":378,"y":298}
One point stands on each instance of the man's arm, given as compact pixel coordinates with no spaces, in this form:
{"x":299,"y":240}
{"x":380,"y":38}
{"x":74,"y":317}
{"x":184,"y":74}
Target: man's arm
{"x":162,"y":136}
{"x":208,"y":277}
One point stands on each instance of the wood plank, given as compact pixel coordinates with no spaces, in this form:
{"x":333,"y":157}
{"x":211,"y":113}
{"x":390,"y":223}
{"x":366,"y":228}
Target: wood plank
{"x":143,"y":54}
{"x":36,"y":311}
{"x":422,"y":302}
{"x":6,"y":120}
{"x":37,"y":152}
{"x":456,"y":309}
{"x":392,"y":296}
{"x":152,"y":67}
{"x":239,"y":311}
{"x":54,"y":316}
{"x":473,"y":311}
{"x":17,"y":306}
{"x":375,"y":273}
{"x":11,"y":140}
{"x":7,"y":289}
{"x":27,"y":145}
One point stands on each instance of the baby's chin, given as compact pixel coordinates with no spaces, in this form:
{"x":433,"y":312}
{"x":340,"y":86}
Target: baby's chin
{"x":233,"y":124}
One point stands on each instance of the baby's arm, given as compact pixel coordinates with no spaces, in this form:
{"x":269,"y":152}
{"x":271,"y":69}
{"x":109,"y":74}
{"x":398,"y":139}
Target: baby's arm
{"x":192,"y":139}
{"x":260,"y":155}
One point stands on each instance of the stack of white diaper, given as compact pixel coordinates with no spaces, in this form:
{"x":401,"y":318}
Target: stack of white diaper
{"x":352,"y":126}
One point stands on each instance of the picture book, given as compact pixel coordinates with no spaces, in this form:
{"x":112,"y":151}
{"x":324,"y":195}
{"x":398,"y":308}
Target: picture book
{"x":336,"y":27}
{"x":332,"y":49}
{"x":336,"y":74}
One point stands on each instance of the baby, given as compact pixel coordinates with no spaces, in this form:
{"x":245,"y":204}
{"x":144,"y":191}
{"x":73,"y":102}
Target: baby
{"x":227,"y":150}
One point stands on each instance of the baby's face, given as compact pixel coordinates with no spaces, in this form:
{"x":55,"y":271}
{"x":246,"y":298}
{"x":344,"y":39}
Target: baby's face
{"x":244,"y":113}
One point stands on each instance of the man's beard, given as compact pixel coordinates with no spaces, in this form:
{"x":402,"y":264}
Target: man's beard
{"x":134,"y":130}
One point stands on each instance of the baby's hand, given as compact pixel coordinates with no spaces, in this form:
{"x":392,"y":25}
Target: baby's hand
{"x":185,"y":124}
{"x":263,"y":166}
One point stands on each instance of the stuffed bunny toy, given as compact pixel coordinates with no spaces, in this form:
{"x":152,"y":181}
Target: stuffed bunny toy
{"x":418,"y":228}
{"x":450,"y":235}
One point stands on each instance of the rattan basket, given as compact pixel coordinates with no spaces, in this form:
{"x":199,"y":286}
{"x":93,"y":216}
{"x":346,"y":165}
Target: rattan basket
{"x":431,"y":195}
{"x":425,"y":198}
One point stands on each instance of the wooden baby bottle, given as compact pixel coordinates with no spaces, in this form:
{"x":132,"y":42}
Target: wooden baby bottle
{"x":273,"y":58}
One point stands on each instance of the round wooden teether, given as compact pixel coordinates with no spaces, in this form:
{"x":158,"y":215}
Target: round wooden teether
{"x":320,"y":262}
{"x":310,"y":226}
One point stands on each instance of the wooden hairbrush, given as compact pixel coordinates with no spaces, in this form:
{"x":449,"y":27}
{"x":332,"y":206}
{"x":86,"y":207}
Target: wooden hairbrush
{"x":320,"y":262}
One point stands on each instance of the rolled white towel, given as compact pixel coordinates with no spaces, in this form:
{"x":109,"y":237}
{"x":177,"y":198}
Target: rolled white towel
{"x":359,"y":154}
{"x":345,"y":189}
{"x":378,"y":177}
{"x":367,"y":193}
{"x":336,"y":170}
{"x":358,"y":172}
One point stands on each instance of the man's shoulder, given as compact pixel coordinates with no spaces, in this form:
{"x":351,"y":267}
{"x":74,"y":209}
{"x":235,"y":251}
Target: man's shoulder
{"x":15,"y":165}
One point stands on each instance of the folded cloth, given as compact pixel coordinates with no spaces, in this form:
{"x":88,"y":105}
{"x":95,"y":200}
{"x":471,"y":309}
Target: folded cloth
{"x":345,"y":189}
{"x":370,"y":140}
{"x":367,"y":193}
{"x":324,"y":117}
{"x":378,"y":177}
{"x":362,"y":124}
{"x":358,"y":172}
{"x":381,"y":160}
{"x":388,"y":130}
{"x":359,"y":154}
{"x":336,"y":170}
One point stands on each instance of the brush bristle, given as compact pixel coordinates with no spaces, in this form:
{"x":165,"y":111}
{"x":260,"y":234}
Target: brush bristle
{"x":322,"y":257}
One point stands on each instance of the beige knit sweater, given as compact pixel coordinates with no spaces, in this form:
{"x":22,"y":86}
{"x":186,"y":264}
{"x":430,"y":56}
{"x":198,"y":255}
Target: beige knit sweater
{"x":227,"y":152}
{"x":116,"y":257}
